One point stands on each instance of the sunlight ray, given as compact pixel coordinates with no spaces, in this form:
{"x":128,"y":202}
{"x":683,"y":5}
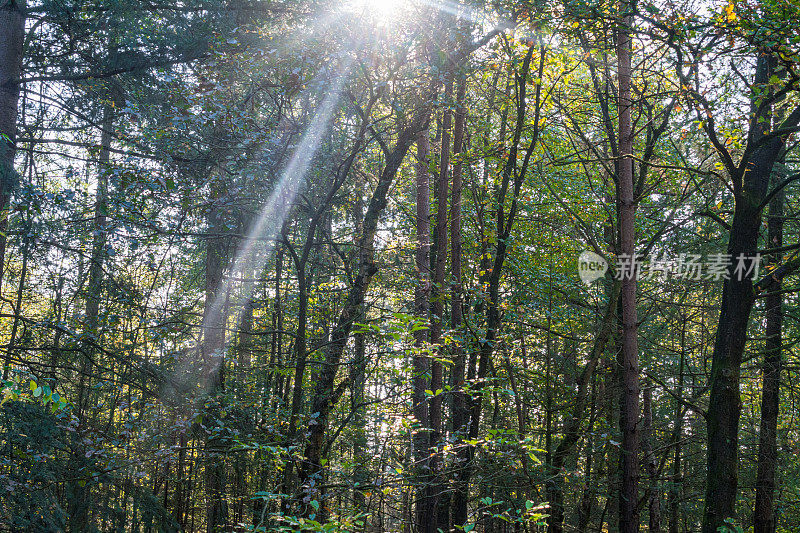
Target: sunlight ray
{"x":272,"y":216}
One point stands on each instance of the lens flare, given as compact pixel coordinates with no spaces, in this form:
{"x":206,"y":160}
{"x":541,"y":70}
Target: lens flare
{"x":382,"y":12}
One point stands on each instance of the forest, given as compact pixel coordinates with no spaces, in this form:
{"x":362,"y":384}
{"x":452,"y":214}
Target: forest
{"x":408,"y":266}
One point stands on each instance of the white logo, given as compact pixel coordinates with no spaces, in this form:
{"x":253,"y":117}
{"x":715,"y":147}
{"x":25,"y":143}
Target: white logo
{"x":591,"y":266}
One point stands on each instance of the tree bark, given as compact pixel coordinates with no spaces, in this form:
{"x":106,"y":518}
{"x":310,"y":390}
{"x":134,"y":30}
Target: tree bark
{"x":421,"y":362}
{"x":750,"y":184}
{"x":460,"y":409}
{"x":80,"y":487}
{"x":213,"y":360}
{"x":438,"y":294}
{"x":629,"y":412}
{"x":764,"y":519}
{"x":12,"y":35}
{"x":325,"y":395}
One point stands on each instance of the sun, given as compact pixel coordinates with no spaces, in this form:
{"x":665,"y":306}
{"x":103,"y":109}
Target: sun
{"x":382,"y":12}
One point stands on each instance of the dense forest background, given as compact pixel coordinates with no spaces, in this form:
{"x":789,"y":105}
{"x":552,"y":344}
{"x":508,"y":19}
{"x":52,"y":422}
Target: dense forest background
{"x":313,"y":265}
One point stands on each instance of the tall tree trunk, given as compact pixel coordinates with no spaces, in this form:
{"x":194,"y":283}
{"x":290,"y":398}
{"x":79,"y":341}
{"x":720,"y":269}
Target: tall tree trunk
{"x":276,"y":348}
{"x":750,"y":184}
{"x":213,"y":360}
{"x":674,"y":490}
{"x":80,"y":487}
{"x":325,"y":395}
{"x":629,"y":412}
{"x":303,"y":282}
{"x":588,"y":497}
{"x":180,"y":494}
{"x":12,"y":35}
{"x":244,"y":350}
{"x":94,"y":288}
{"x":246,"y":344}
{"x":273,"y":387}
{"x":358,"y":378}
{"x":26,"y":252}
{"x":435,"y":488}
{"x":512,"y":178}
{"x":421,"y":362}
{"x":764,"y":520}
{"x":460,"y":415}
{"x":300,"y":355}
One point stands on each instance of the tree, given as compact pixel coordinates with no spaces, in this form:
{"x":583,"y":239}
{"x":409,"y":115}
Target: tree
{"x":12,"y":33}
{"x":629,"y":357}
{"x":234,"y":299}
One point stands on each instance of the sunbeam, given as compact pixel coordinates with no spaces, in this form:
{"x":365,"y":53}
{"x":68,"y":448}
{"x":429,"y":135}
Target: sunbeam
{"x":270,"y":219}
{"x":464,"y":12}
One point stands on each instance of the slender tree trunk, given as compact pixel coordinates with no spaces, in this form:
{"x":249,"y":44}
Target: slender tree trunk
{"x":325,"y":394}
{"x":553,"y":493}
{"x":651,"y":465}
{"x":358,"y":378}
{"x":246,"y":339}
{"x":629,"y":415}
{"x":460,"y":416}
{"x":213,"y":358}
{"x":179,"y":496}
{"x":276,"y":349}
{"x":360,"y":452}
{"x":764,"y":519}
{"x":12,"y":35}
{"x":244,"y":350}
{"x":512,"y":178}
{"x":26,"y":250}
{"x":80,"y":487}
{"x":589,"y":490}
{"x":94,"y":288}
{"x":300,"y":354}
{"x":674,"y":491}
{"x":435,"y":487}
{"x":272,"y":389}
{"x":300,"y":348}
{"x":751,"y":181}
{"x":304,"y":280}
{"x":421,"y":362}
{"x":462,"y":400}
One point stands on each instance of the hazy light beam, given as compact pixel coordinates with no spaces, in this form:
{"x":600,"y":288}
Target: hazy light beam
{"x":274,"y":212}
